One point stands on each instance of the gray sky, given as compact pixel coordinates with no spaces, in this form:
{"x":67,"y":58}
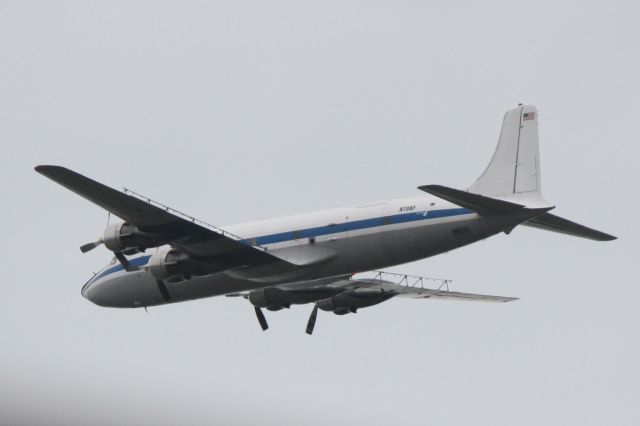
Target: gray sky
{"x":246,"y":110}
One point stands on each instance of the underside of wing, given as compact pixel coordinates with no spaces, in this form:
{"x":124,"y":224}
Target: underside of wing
{"x":416,"y":291}
{"x":346,"y":294}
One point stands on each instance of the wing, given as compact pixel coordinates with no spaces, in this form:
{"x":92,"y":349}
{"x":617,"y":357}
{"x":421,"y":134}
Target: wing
{"x":415,"y":292}
{"x":189,"y":236}
{"x":384,"y":282}
{"x":345,"y":294}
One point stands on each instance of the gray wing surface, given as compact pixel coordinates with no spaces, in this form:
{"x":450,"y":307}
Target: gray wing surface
{"x":418,"y":292}
{"x":188,"y":236}
{"x":366,"y":285}
{"x":550,"y":222}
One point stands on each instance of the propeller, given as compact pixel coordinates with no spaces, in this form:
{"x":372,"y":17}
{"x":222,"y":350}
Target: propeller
{"x":164,"y":290}
{"x":261,"y":319}
{"x":121,"y":257}
{"x":125,"y":262}
{"x":312,"y":320}
{"x":90,"y":246}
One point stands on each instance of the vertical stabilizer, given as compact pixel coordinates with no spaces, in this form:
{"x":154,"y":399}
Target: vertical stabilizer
{"x":511,"y":182}
{"x":515,"y":166}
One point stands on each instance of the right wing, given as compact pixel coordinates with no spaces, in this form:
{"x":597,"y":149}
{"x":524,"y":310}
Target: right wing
{"x":187,"y":235}
{"x":415,"y":292}
{"x":404,"y":286}
{"x":344,"y":294}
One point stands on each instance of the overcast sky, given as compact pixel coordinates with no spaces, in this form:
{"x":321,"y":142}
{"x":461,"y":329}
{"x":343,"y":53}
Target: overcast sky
{"x":242,"y":110}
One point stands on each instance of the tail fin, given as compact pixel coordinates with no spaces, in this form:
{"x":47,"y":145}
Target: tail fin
{"x":515,"y":166}
{"x":511,"y":181}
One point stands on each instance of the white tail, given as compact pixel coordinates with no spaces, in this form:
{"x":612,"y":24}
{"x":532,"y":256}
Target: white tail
{"x":513,"y":175}
{"x":515,"y":165}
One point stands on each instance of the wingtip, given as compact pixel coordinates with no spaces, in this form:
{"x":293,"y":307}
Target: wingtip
{"x":44,"y":169}
{"x":427,"y":188}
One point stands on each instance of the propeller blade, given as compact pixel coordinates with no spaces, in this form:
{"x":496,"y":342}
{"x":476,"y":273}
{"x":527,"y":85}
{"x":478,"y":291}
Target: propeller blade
{"x":164,"y":291}
{"x":261,"y":319}
{"x":312,"y":320}
{"x":90,"y":246}
{"x":125,"y":262}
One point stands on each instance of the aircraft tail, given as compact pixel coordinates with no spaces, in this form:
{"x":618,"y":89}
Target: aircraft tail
{"x":514,"y":170}
{"x":511,"y":182}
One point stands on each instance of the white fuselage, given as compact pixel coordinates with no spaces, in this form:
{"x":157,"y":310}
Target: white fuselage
{"x":324,"y":244}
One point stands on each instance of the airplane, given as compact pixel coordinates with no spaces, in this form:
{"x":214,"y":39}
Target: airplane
{"x":314,"y":257}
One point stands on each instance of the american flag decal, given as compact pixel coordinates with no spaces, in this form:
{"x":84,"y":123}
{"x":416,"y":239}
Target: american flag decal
{"x":528,"y":116}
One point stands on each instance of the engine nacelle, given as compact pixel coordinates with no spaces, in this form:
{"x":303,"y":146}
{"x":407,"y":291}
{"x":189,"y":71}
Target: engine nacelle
{"x":351,"y":301}
{"x":275,"y":299}
{"x":171,"y":264}
{"x":165,"y":264}
{"x":128,"y":239}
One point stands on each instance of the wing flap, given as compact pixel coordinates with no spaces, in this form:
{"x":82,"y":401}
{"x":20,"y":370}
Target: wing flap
{"x":455,"y":295}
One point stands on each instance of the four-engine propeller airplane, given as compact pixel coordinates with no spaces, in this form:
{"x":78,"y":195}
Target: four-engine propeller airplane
{"x":311,"y":258}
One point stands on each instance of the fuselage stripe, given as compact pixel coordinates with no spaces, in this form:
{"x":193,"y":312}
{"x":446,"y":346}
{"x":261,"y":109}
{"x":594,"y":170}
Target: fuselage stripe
{"x":318,"y":231}
{"x":354,"y":226}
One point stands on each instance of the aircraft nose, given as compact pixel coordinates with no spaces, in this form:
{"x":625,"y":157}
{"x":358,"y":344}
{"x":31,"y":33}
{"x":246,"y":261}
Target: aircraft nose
{"x":89,"y":292}
{"x":85,"y":289}
{"x":96,"y":292}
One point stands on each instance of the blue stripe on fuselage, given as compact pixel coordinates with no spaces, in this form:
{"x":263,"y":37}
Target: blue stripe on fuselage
{"x":138,"y":261}
{"x":356,"y":225}
{"x":319,"y":231}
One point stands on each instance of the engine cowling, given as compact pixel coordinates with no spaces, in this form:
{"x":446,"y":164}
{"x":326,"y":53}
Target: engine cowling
{"x":128,"y":239}
{"x":275,"y":299}
{"x":171,"y":264}
{"x":351,"y":301}
{"x":271,"y":298}
{"x":165,"y":264}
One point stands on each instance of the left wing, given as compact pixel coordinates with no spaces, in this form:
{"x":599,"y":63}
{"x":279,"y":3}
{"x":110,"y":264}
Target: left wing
{"x":189,"y":236}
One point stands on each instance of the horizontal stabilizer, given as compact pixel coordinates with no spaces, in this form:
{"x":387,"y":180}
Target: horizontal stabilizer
{"x":478,"y":203}
{"x":550,"y":222}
